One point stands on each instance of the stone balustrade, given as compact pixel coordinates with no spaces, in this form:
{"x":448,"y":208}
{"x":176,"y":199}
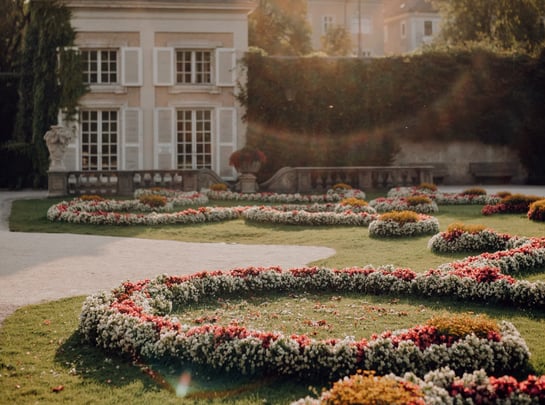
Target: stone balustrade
{"x":125,"y":182}
{"x":305,"y":180}
{"x":309,"y":180}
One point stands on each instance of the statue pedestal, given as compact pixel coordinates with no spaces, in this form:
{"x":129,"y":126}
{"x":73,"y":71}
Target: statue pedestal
{"x":57,"y":184}
{"x":248,"y":183}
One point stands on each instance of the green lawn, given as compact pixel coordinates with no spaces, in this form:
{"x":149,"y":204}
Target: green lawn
{"x":40,"y":349}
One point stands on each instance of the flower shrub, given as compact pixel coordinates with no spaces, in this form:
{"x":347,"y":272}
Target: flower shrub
{"x":415,"y":200}
{"x":219,"y":187}
{"x":367,"y":389}
{"x":246,"y":155}
{"x":133,"y":319}
{"x":424,"y":206}
{"x":536,"y":212}
{"x":468,"y":238}
{"x":341,"y":186}
{"x":474,"y":191}
{"x":458,"y":326}
{"x":303,"y":216}
{"x":443,"y":387}
{"x":354,"y":202}
{"x":427,"y":187}
{"x":511,"y":204}
{"x":91,"y":197}
{"x":403,"y":223}
{"x":153,"y":200}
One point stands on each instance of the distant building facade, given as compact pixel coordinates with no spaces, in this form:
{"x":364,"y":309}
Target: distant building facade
{"x":362,"y":19}
{"x":377,"y":27}
{"x":162,"y":77}
{"x":408,"y":25}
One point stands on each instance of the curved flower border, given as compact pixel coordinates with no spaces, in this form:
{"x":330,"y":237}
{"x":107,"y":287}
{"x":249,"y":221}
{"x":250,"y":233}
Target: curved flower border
{"x":385,"y":204}
{"x":444,"y":198}
{"x":426,"y":224}
{"x":486,"y":240}
{"x":78,"y":212}
{"x":132,"y":320}
{"x":330,"y":197}
{"x":290,"y":215}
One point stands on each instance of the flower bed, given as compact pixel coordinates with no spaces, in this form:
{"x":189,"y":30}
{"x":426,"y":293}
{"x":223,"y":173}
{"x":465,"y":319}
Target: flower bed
{"x":174,"y":197}
{"x":464,"y":198}
{"x":383,"y":204}
{"x":441,"y":387}
{"x":311,"y":215}
{"x":464,"y":238}
{"x":511,"y":204}
{"x":402,"y":223}
{"x":333,"y":195}
{"x":107,"y":213}
{"x":133,"y":320}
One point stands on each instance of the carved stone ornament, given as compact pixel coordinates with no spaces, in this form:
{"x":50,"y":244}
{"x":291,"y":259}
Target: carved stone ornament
{"x":56,"y":140}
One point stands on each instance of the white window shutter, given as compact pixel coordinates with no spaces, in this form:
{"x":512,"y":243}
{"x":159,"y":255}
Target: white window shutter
{"x":164,"y":136}
{"x":227,"y":139}
{"x":131,"y":66}
{"x":226,"y":72}
{"x":132,"y":139}
{"x":163,"y":66}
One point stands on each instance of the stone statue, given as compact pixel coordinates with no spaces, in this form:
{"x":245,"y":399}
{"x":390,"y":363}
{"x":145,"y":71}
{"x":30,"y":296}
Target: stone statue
{"x":56,"y":140}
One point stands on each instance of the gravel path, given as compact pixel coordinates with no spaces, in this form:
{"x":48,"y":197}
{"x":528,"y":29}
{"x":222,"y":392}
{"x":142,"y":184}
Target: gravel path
{"x":44,"y":267}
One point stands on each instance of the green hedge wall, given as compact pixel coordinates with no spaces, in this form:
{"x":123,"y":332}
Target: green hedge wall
{"x":347,"y":111}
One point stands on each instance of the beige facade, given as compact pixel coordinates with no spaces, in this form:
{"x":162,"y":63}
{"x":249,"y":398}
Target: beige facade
{"x":409,"y":25}
{"x":361,"y":18}
{"x":162,"y":77}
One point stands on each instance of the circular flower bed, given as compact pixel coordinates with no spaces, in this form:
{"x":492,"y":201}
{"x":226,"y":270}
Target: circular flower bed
{"x":315,"y":215}
{"x":468,"y":238}
{"x":511,"y":204}
{"x":421,"y":205}
{"x":403,"y":223}
{"x":133,"y":320}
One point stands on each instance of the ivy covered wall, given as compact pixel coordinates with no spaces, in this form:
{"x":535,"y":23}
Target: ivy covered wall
{"x":346,"y":111}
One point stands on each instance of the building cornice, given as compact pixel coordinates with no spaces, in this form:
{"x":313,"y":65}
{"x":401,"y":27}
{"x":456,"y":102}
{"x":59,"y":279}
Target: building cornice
{"x":239,"y":6}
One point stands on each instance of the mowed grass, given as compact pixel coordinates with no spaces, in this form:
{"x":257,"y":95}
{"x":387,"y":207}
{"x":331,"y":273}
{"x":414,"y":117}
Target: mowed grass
{"x":40,"y":350}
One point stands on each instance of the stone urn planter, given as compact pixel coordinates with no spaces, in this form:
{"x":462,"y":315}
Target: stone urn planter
{"x":247,"y":161}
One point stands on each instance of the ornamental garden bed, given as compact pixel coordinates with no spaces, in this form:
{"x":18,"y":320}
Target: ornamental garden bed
{"x":487,"y":278}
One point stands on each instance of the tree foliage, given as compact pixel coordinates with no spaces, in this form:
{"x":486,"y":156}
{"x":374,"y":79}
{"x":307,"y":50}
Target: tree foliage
{"x":507,"y":24}
{"x":41,"y":89}
{"x":350,"y":112}
{"x":280,"y":27}
{"x":337,"y":42}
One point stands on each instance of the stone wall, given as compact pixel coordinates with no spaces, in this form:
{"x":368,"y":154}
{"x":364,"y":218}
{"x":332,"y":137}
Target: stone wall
{"x":456,"y":157}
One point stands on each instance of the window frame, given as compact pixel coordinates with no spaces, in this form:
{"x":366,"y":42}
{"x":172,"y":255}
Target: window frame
{"x":194,"y":63}
{"x":180,"y":160}
{"x":100,"y":142}
{"x":86,"y":72}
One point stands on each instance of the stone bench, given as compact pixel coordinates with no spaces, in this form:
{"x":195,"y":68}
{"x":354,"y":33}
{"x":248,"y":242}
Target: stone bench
{"x":487,"y":172}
